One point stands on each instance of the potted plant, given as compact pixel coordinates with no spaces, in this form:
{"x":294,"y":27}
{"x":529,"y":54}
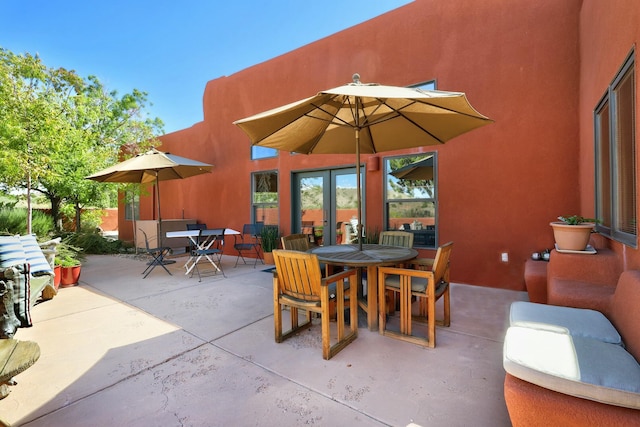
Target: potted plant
{"x":572,"y":233}
{"x":68,"y":258}
{"x":269,"y":239}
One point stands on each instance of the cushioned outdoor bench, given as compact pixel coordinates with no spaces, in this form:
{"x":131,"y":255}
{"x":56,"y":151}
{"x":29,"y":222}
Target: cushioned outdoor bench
{"x":574,"y":366}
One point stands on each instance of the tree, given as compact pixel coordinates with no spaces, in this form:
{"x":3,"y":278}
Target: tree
{"x":56,"y":128}
{"x":31,"y":124}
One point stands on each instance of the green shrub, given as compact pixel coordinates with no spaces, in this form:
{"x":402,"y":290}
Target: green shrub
{"x":94,"y":243}
{"x":14,"y":221}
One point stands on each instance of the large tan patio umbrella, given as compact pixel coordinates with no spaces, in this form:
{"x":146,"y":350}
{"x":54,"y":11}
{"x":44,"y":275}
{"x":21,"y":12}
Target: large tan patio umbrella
{"x":364,"y":118}
{"x":149,"y":167}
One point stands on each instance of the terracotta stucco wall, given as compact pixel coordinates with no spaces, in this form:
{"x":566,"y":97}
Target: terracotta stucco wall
{"x":608,"y":32}
{"x":499,"y":186}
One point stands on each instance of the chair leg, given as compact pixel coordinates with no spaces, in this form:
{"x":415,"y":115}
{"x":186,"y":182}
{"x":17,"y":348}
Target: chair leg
{"x":238,"y":259}
{"x":431,"y":320}
{"x":446,"y":320}
{"x":157,"y":261}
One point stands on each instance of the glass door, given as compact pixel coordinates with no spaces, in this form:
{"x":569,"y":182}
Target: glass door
{"x":324,"y":205}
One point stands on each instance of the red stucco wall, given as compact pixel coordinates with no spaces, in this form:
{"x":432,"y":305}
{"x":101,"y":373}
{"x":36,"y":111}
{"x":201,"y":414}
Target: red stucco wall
{"x":608,"y":32}
{"x":518,"y":61}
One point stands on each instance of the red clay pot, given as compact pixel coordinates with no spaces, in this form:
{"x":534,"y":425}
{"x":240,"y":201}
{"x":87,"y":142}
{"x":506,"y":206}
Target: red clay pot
{"x":70,"y":276}
{"x":57,"y":276}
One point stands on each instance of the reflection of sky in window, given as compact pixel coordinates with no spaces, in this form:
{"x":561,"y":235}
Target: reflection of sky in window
{"x":311,"y":182}
{"x":258,"y":152}
{"x":427,"y":86}
{"x":346,"y":181}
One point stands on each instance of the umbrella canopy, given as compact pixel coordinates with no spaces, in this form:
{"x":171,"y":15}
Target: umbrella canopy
{"x":364,"y":118}
{"x":152,"y":166}
{"x":420,"y":170}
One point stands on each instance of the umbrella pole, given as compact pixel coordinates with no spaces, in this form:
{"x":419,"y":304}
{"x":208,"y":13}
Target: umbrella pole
{"x":159,"y":238}
{"x":359,"y":198}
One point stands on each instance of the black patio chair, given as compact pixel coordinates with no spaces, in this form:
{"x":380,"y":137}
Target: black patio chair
{"x":215,"y":248}
{"x":249,"y":243}
{"x":157,"y":254}
{"x":192,"y":247}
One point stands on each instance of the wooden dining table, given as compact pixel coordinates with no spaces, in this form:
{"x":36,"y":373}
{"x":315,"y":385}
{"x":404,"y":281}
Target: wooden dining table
{"x":370,"y":257}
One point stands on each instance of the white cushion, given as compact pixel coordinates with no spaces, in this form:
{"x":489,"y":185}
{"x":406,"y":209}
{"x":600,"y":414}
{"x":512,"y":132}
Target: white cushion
{"x":36,"y":259}
{"x":573,"y":321}
{"x":11,"y":251}
{"x":573,"y":365}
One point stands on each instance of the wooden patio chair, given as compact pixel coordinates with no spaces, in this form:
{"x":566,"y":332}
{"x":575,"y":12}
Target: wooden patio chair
{"x":298,"y":284}
{"x":396,"y":238}
{"x":427,"y":283}
{"x":296,"y":242}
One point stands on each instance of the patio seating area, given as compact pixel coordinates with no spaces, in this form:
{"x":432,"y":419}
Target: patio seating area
{"x":170,"y":350}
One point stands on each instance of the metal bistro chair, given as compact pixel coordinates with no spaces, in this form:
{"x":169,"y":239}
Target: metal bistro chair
{"x":213,"y":246}
{"x":192,"y":247}
{"x":298,"y":284}
{"x":249,"y":242}
{"x":157,"y":254}
{"x":427,"y":283}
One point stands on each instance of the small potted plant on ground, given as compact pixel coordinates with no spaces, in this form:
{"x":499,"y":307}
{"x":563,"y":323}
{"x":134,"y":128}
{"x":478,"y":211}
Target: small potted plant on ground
{"x":572,"y":233}
{"x":269,"y":240}
{"x":68,"y":258}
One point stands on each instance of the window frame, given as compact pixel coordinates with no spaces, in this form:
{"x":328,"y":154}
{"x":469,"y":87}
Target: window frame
{"x":616,"y":170}
{"x":256,"y":205}
{"x":433,"y":199}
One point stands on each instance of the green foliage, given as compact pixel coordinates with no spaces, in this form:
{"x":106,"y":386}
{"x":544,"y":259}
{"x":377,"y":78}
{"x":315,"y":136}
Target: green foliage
{"x":576,"y":219}
{"x":372,"y":235}
{"x":57,"y":127}
{"x":269,"y":237}
{"x":94,"y":243}
{"x":14,"y":221}
{"x":68,"y":255}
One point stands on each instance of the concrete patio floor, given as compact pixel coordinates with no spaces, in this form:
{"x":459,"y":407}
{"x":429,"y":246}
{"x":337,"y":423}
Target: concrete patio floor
{"x":172,"y":351}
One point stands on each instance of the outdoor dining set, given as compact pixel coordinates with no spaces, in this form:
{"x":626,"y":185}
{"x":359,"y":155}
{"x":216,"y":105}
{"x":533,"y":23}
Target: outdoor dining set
{"x":335,"y":282}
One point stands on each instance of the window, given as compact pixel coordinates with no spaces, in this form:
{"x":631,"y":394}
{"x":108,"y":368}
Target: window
{"x":614,"y":120}
{"x":410,"y":197}
{"x":430,"y":85}
{"x":132,"y":206}
{"x":258,"y":152}
{"x":265,"y":197}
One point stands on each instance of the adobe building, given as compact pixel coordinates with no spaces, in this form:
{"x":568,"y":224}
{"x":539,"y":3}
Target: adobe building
{"x":543,"y":70}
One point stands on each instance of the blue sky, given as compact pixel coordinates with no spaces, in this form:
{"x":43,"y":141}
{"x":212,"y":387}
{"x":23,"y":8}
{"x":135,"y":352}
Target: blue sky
{"x":171,"y":49}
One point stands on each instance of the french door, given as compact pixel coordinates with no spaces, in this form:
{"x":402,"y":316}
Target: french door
{"x":324,"y":202}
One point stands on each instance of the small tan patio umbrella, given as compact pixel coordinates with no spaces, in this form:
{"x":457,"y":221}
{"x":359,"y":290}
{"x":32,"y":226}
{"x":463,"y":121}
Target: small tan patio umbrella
{"x":149,"y":167}
{"x":420,"y":170}
{"x":364,"y":118}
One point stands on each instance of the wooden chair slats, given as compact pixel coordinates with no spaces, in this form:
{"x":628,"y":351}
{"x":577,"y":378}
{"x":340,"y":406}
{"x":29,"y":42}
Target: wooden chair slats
{"x":396,"y":238}
{"x":427,"y":282}
{"x":298,"y":284}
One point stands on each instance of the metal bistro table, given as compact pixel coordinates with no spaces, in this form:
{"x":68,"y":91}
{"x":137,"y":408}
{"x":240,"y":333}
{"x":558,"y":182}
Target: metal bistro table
{"x":210,"y":237}
{"x":371,"y":257}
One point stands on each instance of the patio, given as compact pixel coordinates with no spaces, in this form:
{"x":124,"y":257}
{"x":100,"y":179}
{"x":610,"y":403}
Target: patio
{"x":168,"y":350}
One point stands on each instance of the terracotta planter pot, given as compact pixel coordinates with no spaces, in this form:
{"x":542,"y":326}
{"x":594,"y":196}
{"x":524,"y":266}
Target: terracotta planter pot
{"x":268,"y":258}
{"x":70,"y":276}
{"x":572,"y":237}
{"x":57,"y":276}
